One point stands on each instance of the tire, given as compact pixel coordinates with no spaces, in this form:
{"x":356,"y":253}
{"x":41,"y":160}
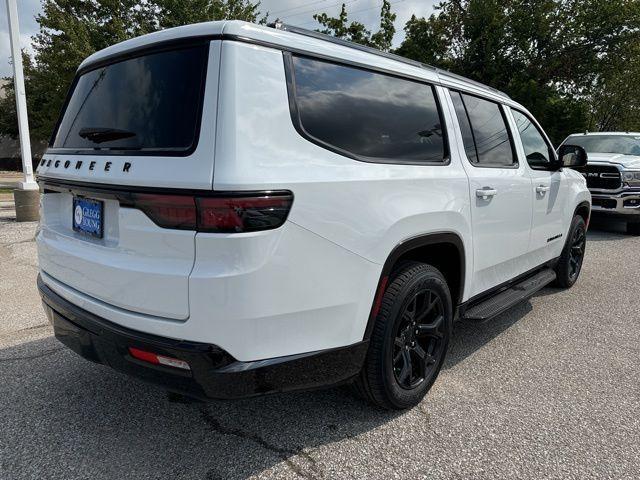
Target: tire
{"x":570,"y":262}
{"x":633,"y":228}
{"x":417,"y":299}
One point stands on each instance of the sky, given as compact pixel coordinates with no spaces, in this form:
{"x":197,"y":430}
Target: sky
{"x":295,"y":12}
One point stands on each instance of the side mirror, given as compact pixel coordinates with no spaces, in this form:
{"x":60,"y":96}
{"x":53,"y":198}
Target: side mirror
{"x":572,"y":156}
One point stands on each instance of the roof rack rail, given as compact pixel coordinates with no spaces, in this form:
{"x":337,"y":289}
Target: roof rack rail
{"x":346,"y":43}
{"x":455,"y":76}
{"x":278,"y":25}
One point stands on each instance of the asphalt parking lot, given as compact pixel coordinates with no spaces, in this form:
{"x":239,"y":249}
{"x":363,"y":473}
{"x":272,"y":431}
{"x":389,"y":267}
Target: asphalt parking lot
{"x":550,"y":389}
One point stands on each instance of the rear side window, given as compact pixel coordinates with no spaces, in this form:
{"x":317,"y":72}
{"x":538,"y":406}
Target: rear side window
{"x":484,"y":131}
{"x":367,"y":115}
{"x":150,"y":104}
{"x":465,"y":127}
{"x":536,"y":149}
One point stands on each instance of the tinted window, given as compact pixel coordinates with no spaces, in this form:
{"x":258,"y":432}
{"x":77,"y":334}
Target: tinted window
{"x":624,"y":144}
{"x":148,"y":103}
{"x":489,"y":128}
{"x":536,"y":149}
{"x":368,"y":114}
{"x":465,"y":127}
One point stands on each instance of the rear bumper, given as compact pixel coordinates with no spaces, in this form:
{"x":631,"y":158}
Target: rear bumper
{"x":213,"y":372}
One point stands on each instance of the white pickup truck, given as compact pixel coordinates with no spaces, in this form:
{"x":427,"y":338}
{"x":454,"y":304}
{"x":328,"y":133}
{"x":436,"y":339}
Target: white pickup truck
{"x":613,"y":174}
{"x":231,"y":210}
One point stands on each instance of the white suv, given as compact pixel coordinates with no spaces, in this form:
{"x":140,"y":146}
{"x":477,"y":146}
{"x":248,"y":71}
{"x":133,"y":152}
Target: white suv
{"x":230,"y":210}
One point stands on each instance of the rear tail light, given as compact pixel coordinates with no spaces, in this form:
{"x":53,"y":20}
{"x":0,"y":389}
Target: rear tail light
{"x":168,"y":211}
{"x":229,"y":213}
{"x":242,"y":214}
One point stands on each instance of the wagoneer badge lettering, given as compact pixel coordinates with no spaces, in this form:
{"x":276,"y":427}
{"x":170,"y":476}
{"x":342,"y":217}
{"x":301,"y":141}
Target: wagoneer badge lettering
{"x":126,"y":167}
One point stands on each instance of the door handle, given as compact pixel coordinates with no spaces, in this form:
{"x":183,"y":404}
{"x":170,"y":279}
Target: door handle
{"x":543,"y":188}
{"x":486,"y":192}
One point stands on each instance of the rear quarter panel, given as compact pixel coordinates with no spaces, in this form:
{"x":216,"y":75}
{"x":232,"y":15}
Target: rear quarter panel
{"x":366,"y":208}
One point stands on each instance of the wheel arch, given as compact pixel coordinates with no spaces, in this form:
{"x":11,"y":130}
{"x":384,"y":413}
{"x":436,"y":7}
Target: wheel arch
{"x":443,"y":250}
{"x":584,"y":210}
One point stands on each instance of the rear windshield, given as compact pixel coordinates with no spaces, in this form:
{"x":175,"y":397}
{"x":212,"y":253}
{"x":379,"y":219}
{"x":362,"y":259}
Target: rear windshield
{"x":624,"y":144}
{"x":150,"y":103}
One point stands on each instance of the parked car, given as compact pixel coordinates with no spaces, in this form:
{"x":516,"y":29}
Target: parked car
{"x":231,"y":210}
{"x":613,"y":174}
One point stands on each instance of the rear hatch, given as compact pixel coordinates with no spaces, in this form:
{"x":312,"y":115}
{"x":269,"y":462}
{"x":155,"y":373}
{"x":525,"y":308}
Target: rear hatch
{"x":134,"y":141}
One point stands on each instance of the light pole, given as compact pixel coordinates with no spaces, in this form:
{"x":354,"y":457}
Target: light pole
{"x":27,"y":195}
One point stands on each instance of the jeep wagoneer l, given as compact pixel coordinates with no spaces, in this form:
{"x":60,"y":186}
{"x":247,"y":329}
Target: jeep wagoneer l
{"x":231,"y":210}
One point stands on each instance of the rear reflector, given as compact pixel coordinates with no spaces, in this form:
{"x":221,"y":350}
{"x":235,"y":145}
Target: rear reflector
{"x":377,"y":303}
{"x":232,"y":213}
{"x":156,"y":359}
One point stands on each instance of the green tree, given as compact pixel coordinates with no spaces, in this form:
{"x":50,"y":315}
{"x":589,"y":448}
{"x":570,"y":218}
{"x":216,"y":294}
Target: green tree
{"x":383,"y":38}
{"x":560,"y":58}
{"x":612,"y":91}
{"x":431,"y":40}
{"x":357,"y":32}
{"x":8,"y":115}
{"x":71,"y":30}
{"x":173,"y":13}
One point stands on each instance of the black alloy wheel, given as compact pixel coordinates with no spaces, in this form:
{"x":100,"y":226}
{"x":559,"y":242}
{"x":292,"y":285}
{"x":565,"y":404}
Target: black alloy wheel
{"x":570,"y":262}
{"x":409,"y":340}
{"x":576,"y":254}
{"x":419,"y":339}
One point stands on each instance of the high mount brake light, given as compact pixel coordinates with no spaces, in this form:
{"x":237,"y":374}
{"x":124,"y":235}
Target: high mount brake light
{"x":233,"y":213}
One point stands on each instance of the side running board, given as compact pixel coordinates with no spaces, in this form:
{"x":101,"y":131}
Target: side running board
{"x":504,"y":300}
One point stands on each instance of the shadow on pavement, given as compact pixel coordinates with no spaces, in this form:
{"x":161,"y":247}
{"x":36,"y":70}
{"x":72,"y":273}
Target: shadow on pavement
{"x":89,"y":421}
{"x":601,"y":229}
{"x":92,"y":422}
{"x":469,"y":336}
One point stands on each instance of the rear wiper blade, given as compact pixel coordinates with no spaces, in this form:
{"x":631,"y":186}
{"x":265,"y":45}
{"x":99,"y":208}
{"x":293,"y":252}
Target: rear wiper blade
{"x":115,"y":149}
{"x":99,"y":135}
